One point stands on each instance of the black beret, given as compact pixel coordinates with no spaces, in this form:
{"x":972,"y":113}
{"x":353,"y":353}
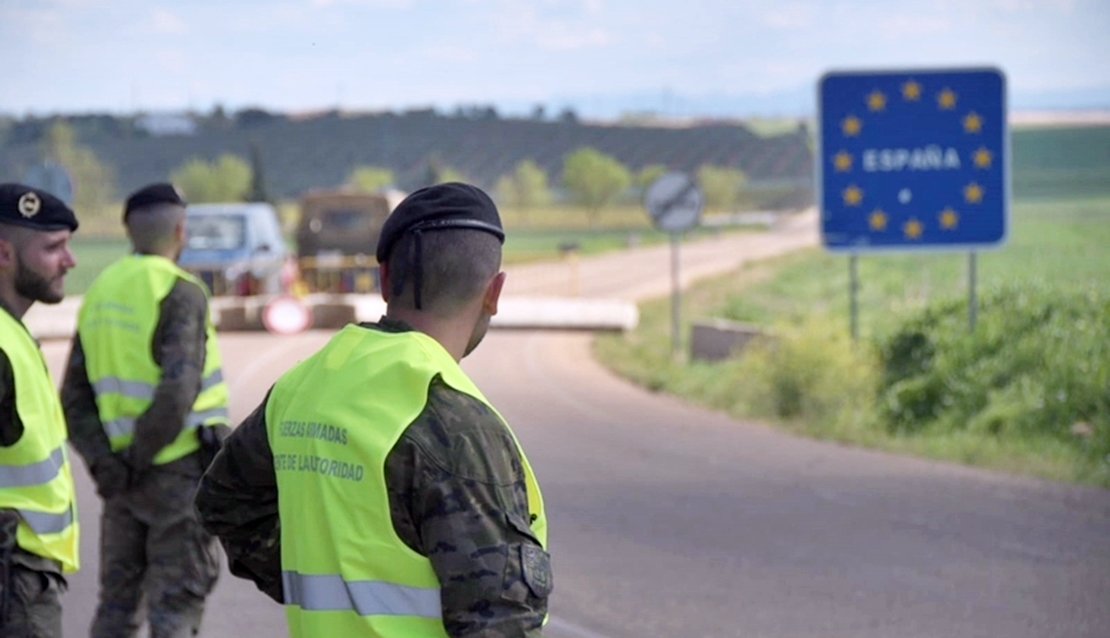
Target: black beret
{"x":34,"y":208}
{"x":161,"y":193}
{"x":444,"y":206}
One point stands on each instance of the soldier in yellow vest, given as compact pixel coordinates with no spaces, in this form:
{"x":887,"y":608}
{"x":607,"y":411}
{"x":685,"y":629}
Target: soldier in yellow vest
{"x":145,"y":401}
{"x":376,"y":492}
{"x":38,"y":524}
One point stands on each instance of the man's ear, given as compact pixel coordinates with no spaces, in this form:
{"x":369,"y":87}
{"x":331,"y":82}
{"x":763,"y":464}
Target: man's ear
{"x":7,"y":253}
{"x":383,"y":279}
{"x":493,"y":294}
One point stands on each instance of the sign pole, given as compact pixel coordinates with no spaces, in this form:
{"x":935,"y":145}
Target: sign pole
{"x":674,"y":202}
{"x":972,"y":298}
{"x":853,"y":294}
{"x":676,"y":298}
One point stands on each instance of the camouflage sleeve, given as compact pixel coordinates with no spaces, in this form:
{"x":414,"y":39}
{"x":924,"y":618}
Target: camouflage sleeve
{"x":458,"y":497}
{"x":178,"y":348}
{"x":11,"y":428}
{"x":86,"y":432}
{"x":237,"y":501}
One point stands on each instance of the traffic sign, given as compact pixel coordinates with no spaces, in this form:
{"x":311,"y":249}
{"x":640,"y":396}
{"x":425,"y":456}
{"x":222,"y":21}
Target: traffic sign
{"x":913,"y":159}
{"x":52,"y":178}
{"x":286,"y":315}
{"x":674,"y":202}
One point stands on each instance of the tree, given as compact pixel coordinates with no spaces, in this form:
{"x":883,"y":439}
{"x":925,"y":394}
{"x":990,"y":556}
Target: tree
{"x":505,"y":188}
{"x":439,"y":173}
{"x":258,"y":191}
{"x":594,"y":179}
{"x":648,"y":174}
{"x":93,"y":181}
{"x":721,"y":185}
{"x":370,"y":178}
{"x":225,"y":180}
{"x":525,"y":188}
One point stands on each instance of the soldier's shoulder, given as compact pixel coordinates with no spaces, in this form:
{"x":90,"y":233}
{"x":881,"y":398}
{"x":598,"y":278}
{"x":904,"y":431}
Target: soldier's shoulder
{"x":464,"y":437}
{"x":187,"y":294}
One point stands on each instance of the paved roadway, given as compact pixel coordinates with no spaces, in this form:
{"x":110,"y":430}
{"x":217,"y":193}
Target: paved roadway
{"x":670,"y":520}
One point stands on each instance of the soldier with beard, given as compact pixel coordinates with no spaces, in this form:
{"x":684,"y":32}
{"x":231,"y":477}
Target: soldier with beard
{"x":38,"y":526}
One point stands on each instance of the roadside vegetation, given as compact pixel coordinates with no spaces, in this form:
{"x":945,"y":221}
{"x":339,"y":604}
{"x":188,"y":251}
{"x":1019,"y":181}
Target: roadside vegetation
{"x":1028,"y":392}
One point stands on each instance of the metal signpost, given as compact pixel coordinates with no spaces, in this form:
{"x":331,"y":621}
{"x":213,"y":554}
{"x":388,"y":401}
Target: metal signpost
{"x":674,"y":203}
{"x":910,"y":160}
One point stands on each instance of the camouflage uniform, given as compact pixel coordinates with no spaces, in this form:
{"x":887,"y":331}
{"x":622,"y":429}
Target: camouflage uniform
{"x":467,"y":512}
{"x":150,"y":542}
{"x":34,"y":607}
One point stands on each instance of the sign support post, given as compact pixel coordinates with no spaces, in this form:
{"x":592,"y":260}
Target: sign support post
{"x":674,"y":202}
{"x":972,"y":297}
{"x":676,"y":299}
{"x":853,"y":294}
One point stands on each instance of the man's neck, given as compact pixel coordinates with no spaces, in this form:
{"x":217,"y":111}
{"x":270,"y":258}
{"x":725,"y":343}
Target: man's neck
{"x":449,"y":333}
{"x":13,"y":303}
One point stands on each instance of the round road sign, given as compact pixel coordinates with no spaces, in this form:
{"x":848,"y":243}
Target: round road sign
{"x":286,"y":315}
{"x":674,"y":202}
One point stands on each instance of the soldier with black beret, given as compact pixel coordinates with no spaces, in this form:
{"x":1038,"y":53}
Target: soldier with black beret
{"x":376,"y":492}
{"x":38,"y":526}
{"x":145,"y":399}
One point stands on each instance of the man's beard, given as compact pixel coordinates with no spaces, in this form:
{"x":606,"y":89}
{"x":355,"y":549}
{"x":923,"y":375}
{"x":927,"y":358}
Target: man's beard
{"x":33,"y":286}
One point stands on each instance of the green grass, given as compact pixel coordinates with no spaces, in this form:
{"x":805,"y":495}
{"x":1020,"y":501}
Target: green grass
{"x":93,"y":255}
{"x":1049,"y":241}
{"x":803,"y":298}
{"x":531,"y":236}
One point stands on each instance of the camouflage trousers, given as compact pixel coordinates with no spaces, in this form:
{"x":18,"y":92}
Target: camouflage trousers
{"x":35,"y":606}
{"x":155,"y":559}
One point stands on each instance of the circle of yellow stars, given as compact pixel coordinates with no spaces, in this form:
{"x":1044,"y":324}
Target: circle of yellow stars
{"x":876,"y":101}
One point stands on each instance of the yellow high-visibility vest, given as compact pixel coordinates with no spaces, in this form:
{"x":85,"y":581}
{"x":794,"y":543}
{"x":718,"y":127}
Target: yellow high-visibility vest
{"x":332,"y":421}
{"x":116,"y":325}
{"x":34,"y":472}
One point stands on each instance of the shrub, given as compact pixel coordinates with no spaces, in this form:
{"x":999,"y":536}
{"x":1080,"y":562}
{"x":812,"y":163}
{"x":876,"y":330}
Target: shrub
{"x":1037,"y":365}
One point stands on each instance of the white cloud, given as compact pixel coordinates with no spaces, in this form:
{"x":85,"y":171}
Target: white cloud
{"x":167,"y":22}
{"x":790,"y":16}
{"x":378,"y":4}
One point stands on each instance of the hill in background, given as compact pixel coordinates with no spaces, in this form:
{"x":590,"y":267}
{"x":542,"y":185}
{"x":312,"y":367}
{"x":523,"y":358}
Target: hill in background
{"x":299,"y":153}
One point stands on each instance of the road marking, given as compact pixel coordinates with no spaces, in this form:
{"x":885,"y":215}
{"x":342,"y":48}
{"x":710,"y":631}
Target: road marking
{"x":570,"y":628}
{"x":272,"y":353}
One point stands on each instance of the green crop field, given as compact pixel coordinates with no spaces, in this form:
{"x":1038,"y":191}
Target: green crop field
{"x":1011,"y":397}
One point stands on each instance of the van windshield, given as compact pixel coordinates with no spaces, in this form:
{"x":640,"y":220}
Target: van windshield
{"x":215,"y":232}
{"x":342,"y":219}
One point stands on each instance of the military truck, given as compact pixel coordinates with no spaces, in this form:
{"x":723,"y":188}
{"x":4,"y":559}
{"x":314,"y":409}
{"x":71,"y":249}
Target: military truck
{"x":337,"y":235}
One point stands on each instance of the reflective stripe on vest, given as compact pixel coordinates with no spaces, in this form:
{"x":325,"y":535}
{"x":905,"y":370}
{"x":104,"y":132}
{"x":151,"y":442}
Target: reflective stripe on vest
{"x":142,"y":390}
{"x":329,"y":592}
{"x":332,"y":421}
{"x":116,"y":326}
{"x":34,"y":473}
{"x":125,"y":425}
{"x":45,"y":522}
{"x":35,"y":478}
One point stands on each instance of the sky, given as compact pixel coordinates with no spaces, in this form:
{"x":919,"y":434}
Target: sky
{"x":600,"y":57}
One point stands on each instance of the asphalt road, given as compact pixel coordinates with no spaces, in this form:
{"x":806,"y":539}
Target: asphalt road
{"x":671,"y":520}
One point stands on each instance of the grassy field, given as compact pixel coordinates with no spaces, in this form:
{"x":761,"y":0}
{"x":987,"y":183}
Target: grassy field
{"x":1061,"y":242}
{"x":1060,"y":245}
{"x":532,"y":236}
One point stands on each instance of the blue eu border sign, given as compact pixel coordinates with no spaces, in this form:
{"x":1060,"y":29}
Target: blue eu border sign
{"x":913,"y":159}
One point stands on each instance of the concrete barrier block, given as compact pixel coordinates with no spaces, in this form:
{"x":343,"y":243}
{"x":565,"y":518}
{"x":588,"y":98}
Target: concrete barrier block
{"x":335,"y":315}
{"x":717,"y":339}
